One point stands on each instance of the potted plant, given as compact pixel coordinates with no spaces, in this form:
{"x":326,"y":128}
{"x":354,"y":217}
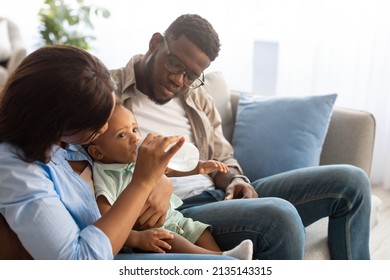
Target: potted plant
{"x":69,"y":22}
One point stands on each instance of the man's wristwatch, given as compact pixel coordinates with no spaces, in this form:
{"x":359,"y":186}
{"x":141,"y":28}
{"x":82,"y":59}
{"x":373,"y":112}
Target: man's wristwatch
{"x":243,"y":177}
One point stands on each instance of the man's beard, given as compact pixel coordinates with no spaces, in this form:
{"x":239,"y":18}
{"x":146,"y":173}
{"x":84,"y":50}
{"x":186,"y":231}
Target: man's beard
{"x":149,"y":81}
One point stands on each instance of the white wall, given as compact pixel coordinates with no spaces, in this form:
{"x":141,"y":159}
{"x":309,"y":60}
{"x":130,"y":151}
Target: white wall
{"x":325,"y":46}
{"x":128,"y":30}
{"x":132,"y":24}
{"x":313,"y":35}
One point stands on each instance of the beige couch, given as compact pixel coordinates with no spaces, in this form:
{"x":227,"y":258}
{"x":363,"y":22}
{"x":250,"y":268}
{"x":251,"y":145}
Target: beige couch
{"x":350,"y":139}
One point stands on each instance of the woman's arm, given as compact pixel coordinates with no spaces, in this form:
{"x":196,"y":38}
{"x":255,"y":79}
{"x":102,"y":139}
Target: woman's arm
{"x":54,"y":213}
{"x":148,"y":240}
{"x":150,"y":166}
{"x":51,"y":213}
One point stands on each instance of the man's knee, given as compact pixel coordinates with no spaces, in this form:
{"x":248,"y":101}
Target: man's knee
{"x":354,"y":180}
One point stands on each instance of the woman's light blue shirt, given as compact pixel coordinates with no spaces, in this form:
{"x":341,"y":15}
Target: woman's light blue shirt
{"x":50,"y":207}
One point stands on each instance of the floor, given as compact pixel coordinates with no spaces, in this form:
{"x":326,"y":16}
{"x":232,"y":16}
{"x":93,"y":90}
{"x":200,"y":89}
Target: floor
{"x":380,"y":235}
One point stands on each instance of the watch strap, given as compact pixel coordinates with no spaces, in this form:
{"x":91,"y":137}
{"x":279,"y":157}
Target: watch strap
{"x":243,"y":177}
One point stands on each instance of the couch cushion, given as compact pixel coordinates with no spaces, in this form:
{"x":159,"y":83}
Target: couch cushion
{"x":350,"y":138}
{"x":10,"y":246}
{"x":216,"y":86}
{"x":284,"y":133}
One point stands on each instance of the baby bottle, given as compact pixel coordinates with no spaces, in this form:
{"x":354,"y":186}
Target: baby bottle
{"x":185,"y":159}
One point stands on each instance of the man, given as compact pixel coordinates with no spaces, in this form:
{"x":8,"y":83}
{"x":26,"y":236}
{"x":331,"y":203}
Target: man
{"x":164,"y":90}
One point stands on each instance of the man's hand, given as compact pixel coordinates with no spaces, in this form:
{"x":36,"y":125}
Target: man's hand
{"x":234,"y":187}
{"x":238,"y":188}
{"x":156,"y":207}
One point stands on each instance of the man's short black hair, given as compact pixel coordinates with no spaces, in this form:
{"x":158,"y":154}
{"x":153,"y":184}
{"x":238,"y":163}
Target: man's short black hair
{"x":199,"y":31}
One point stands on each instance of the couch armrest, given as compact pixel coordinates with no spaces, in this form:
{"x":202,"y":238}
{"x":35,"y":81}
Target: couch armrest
{"x":3,"y":76}
{"x":11,"y":247}
{"x":350,"y":139}
{"x":18,"y":49}
{"x":16,"y":57}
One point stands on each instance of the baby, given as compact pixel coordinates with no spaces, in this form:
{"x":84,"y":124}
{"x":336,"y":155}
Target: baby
{"x":115,"y":153}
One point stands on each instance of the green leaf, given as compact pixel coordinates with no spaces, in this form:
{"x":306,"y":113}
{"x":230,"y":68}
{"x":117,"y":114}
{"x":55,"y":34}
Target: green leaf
{"x":69,"y":22}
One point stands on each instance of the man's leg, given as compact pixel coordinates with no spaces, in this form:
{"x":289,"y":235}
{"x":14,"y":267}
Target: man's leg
{"x":272,"y":224}
{"x":340,"y":192}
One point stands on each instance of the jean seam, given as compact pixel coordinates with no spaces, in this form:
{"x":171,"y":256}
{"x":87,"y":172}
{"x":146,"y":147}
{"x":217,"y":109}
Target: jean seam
{"x":347,"y":217}
{"x":327,"y":196}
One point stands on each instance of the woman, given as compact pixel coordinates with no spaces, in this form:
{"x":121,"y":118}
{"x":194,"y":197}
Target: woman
{"x":60,"y":96}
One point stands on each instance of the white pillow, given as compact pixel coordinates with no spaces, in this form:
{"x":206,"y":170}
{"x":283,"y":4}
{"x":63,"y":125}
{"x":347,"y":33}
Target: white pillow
{"x":5,"y":44}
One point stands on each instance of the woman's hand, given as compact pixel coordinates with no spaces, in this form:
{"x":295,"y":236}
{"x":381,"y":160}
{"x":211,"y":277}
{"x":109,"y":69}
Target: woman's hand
{"x":152,"y":161}
{"x":152,"y":158}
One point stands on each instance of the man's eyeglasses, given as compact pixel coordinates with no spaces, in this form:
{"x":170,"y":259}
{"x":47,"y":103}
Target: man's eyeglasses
{"x":174,"y":66}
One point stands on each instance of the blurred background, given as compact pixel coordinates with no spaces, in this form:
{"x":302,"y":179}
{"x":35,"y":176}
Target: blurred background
{"x":270,"y":47}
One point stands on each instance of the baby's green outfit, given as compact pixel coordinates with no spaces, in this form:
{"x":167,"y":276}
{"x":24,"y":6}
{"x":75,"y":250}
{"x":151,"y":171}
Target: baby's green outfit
{"x":111,"y":179}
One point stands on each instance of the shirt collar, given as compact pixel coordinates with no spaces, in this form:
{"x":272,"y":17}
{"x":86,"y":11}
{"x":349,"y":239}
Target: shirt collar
{"x":130,"y":73}
{"x":70,"y":153}
{"x":77,"y":153}
{"x":117,"y":166}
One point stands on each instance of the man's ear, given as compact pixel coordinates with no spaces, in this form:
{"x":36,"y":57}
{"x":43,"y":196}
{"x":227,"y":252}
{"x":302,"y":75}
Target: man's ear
{"x":95,"y":152}
{"x":155,"y":41}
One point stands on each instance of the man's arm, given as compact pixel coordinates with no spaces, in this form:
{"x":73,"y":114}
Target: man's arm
{"x":156,"y":207}
{"x":234,"y":183}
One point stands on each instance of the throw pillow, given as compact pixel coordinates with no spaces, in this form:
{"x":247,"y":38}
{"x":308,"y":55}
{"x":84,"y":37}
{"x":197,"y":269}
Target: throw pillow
{"x":5,"y":44}
{"x":277,"y":134}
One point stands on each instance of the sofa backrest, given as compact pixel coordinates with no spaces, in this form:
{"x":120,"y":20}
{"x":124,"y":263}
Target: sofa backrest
{"x":350,"y":138}
{"x":217,"y":87}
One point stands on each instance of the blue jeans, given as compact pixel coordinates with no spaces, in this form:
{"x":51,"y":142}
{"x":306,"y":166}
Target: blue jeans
{"x":287,"y":203}
{"x":162,"y":257}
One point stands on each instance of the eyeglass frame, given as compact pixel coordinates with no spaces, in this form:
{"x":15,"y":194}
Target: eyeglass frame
{"x":183,"y":70}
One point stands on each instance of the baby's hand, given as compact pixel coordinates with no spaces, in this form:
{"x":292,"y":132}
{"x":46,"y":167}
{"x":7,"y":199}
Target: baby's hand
{"x":206,"y":167}
{"x":154,"y":240}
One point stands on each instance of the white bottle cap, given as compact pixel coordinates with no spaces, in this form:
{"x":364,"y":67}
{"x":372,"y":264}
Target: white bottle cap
{"x":185,"y":159}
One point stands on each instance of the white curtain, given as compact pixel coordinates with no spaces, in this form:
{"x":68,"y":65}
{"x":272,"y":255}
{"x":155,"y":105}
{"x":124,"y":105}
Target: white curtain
{"x":343,"y":47}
